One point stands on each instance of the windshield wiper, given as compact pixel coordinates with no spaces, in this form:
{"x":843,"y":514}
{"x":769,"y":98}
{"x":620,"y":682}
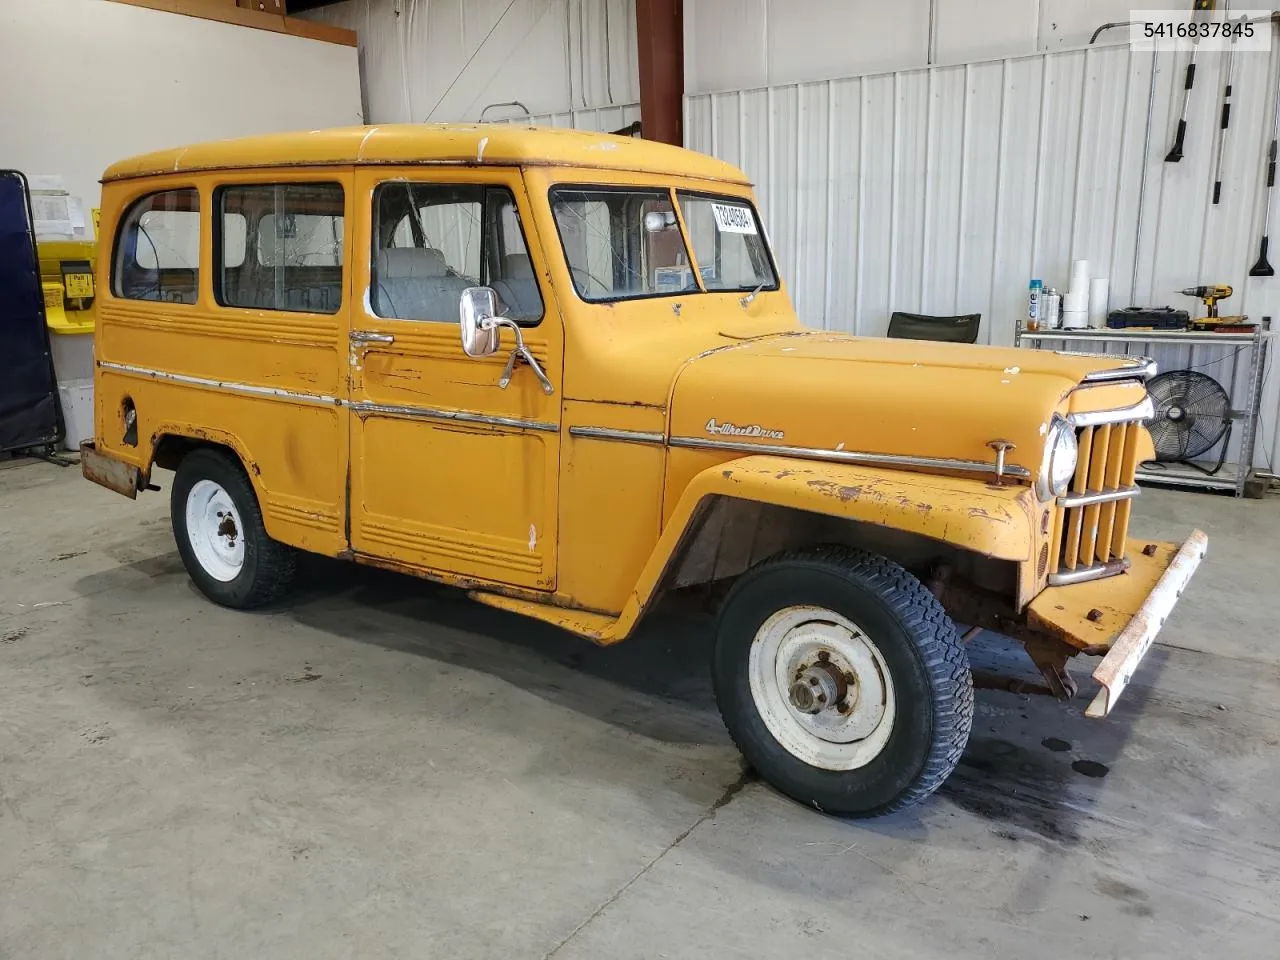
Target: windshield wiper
{"x":746,"y":301}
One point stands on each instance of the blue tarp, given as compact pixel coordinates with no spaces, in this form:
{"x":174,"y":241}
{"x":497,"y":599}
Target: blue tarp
{"x":29,"y":411}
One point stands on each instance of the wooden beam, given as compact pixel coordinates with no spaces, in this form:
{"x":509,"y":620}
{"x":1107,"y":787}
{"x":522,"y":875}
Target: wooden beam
{"x":225,"y":11}
{"x":660,"y":43}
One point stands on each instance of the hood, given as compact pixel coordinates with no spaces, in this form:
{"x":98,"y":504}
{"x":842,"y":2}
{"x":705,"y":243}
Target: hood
{"x":833,"y":392}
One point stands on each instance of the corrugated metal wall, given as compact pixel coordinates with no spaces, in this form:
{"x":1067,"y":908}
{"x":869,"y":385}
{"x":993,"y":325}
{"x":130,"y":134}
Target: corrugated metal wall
{"x":945,"y":189}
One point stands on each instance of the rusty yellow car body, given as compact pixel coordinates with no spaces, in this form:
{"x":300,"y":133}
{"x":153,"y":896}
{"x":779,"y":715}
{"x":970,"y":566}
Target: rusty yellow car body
{"x":684,"y":437}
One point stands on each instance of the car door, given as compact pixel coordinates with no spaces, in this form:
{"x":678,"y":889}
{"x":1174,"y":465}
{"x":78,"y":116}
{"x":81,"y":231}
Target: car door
{"x":451,"y":473}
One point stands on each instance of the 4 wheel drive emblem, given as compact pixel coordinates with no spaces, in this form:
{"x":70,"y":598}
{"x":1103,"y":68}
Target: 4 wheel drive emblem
{"x":733,"y":430}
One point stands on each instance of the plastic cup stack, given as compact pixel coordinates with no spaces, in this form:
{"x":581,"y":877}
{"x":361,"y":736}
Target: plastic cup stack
{"x":1098,"y":293}
{"x":1075,"y":302}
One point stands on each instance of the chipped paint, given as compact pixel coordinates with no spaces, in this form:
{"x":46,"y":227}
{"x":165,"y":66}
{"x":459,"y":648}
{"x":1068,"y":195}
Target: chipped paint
{"x":363,"y":141}
{"x":533,"y":538}
{"x":484,"y":142}
{"x":1012,"y":371}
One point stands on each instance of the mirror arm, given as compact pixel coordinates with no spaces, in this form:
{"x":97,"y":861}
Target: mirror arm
{"x":520,"y":351}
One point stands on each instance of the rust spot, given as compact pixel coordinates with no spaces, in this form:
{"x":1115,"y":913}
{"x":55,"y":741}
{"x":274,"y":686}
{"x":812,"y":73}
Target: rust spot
{"x":1094,"y":615}
{"x":848,"y":493}
{"x":783,"y":474}
{"x":727,"y":474}
{"x":1149,"y":550}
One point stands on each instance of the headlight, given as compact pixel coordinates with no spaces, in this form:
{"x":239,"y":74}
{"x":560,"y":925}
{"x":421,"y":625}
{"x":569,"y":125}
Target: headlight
{"x":1059,"y":464}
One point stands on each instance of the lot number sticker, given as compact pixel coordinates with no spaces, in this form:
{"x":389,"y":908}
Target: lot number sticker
{"x":733,"y":219}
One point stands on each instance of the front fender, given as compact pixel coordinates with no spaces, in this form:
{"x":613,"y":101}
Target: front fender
{"x":976,"y":515}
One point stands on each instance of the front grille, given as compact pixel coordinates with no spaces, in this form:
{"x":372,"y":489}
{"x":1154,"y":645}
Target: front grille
{"x":1091,"y":522}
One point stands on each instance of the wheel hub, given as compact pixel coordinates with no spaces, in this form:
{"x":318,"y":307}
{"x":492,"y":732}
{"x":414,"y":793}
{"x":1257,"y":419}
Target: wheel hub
{"x":213,"y":530}
{"x":819,"y":686}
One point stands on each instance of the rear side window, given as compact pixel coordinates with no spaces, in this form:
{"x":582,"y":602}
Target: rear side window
{"x":280,"y":246}
{"x":157,"y":254}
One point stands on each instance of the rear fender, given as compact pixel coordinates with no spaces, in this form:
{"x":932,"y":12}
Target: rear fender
{"x":973,"y":515}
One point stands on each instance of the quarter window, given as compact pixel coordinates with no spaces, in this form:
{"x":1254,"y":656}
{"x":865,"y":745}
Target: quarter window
{"x":157,"y":254}
{"x":280,"y":246}
{"x":432,"y":241}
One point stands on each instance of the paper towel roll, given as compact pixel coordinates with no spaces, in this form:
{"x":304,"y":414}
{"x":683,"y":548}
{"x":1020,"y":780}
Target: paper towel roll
{"x":1098,"y":292}
{"x":1079,"y":268}
{"x":1075,"y":319}
{"x":1075,"y":301}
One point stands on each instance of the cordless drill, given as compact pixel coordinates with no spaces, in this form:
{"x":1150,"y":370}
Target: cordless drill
{"x":1211,"y":294}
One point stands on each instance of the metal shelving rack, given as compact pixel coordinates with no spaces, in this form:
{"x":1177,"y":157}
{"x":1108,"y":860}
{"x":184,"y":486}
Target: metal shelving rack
{"x":1234,"y":476}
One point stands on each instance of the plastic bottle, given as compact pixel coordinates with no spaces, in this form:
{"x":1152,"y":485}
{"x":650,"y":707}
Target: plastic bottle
{"x":1050,"y":309}
{"x":1033,"y":305}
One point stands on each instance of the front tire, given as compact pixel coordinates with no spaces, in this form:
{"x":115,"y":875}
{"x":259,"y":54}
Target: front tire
{"x":842,"y":680}
{"x":217,"y":525}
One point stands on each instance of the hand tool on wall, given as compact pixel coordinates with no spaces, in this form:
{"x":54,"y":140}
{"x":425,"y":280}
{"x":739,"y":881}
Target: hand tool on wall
{"x":1263,"y":267}
{"x":1202,"y":9}
{"x":1226,"y":117}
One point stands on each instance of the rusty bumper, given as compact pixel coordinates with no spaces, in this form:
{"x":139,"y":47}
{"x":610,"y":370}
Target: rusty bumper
{"x":1119,"y":617}
{"x":107,"y":471}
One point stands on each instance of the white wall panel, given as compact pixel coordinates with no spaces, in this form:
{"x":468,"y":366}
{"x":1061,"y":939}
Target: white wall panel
{"x":598,"y":119}
{"x":946,"y":189}
{"x":447,"y":60}
{"x":732,"y":44}
{"x":82,"y":91}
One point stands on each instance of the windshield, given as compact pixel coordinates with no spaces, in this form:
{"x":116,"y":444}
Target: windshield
{"x":626,"y":244}
{"x":727,"y":243}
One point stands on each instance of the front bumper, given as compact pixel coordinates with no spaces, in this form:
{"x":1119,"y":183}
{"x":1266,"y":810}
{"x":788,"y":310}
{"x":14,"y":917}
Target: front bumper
{"x":1118,"y":617}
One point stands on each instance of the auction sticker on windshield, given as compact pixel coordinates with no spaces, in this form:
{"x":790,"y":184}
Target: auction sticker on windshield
{"x":733,"y":219}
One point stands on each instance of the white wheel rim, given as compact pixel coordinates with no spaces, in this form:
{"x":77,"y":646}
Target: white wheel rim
{"x":215,"y":531}
{"x":810,"y":643}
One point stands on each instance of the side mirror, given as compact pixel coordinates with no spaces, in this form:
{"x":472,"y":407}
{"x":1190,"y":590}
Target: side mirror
{"x":476,"y":307}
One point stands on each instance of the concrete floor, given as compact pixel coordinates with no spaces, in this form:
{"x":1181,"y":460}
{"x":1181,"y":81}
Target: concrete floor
{"x":383,"y":769}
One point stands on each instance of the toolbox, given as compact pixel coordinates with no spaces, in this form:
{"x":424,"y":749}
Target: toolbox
{"x":1148,"y":318}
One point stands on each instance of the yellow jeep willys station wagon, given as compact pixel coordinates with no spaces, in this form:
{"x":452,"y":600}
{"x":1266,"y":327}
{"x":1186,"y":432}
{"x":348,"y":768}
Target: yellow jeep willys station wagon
{"x":560,"y":371}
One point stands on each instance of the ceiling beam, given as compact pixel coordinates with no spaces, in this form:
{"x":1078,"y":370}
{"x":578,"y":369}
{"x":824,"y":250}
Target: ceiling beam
{"x":225,"y":12}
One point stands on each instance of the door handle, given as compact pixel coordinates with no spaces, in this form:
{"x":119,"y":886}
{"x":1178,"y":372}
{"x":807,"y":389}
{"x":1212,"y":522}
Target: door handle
{"x":369,"y":336}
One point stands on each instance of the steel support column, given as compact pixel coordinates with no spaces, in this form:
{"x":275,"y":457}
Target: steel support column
{"x":660,"y":39}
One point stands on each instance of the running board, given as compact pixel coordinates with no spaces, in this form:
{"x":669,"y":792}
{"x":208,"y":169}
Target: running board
{"x":598,"y":627}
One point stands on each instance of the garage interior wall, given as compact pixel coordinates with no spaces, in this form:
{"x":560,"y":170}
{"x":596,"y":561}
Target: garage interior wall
{"x":944,"y":190}
{"x":736,"y":44}
{"x":449,"y":60}
{"x":85,"y":93}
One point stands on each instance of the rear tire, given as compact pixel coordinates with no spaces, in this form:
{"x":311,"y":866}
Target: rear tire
{"x":842,"y":680}
{"x":217,"y":525}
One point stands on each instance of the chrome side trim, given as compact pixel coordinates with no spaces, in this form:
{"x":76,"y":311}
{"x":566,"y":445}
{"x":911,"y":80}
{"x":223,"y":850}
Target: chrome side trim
{"x":247,"y":389}
{"x":1144,"y":369}
{"x":450,"y":416}
{"x":609,"y":433}
{"x":1091,"y":497}
{"x":850,"y":456}
{"x":1064,"y":578}
{"x":1143,"y":410}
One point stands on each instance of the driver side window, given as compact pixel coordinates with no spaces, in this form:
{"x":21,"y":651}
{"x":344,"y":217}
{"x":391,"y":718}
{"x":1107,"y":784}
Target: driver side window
{"x":432,"y":241}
